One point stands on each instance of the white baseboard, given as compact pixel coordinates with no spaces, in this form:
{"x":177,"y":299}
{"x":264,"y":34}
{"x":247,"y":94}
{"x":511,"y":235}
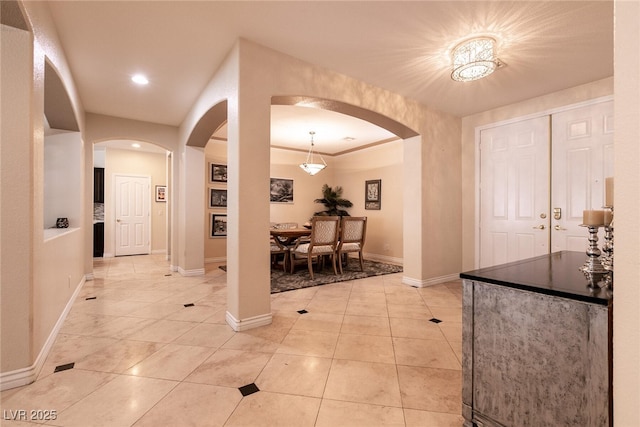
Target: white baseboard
{"x":250,"y":323}
{"x":108,"y":255}
{"x":89,"y":276}
{"x":421,"y":283}
{"x":24,"y":376}
{"x":159,"y":251}
{"x":216,"y":259}
{"x":194,"y":272}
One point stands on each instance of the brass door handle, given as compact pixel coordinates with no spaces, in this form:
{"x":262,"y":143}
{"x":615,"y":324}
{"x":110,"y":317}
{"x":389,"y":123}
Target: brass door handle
{"x":540,"y":227}
{"x":117,"y":220}
{"x":557,"y":227}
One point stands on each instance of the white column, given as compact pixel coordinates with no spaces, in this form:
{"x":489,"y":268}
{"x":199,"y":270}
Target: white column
{"x":191,"y":205}
{"x":248,"y":274}
{"x":413,"y":213}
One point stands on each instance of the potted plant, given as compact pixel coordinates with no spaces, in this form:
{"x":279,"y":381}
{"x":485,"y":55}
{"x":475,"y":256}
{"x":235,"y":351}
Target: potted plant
{"x":333,"y":201}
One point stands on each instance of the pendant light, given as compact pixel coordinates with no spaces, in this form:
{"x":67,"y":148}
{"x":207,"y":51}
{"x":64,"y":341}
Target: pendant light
{"x":309,"y":166}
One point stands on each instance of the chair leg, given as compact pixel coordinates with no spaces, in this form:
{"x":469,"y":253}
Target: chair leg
{"x":310,"y":265}
{"x":333,"y":259}
{"x":361,"y":261}
{"x":340,"y":262}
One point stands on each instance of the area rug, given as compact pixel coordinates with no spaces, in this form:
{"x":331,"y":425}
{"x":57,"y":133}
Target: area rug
{"x":281,"y":281}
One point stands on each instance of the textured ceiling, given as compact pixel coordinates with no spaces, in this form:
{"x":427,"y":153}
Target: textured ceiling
{"x":397,"y":45}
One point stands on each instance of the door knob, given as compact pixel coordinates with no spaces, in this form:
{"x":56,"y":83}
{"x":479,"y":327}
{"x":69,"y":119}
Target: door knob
{"x":117,"y":220}
{"x":540,"y":227}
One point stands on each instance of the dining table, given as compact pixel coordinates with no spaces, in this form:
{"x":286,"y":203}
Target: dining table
{"x":288,"y":236}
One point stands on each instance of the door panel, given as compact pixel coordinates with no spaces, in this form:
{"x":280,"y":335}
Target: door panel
{"x":582,"y":156}
{"x":514,"y":191}
{"x":132,"y":200}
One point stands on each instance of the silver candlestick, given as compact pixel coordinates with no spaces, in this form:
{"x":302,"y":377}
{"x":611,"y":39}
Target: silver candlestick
{"x":607,"y":248}
{"x":593,"y":269}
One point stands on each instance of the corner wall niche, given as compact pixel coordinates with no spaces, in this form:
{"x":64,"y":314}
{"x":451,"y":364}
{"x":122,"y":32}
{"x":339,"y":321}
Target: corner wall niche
{"x":63,"y":162}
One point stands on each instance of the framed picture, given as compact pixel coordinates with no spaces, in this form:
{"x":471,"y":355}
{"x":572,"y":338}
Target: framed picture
{"x":217,"y":173}
{"x":372,"y":194}
{"x":218,"y":225}
{"x":161,"y":193}
{"x":217,"y":198}
{"x":281,"y":190}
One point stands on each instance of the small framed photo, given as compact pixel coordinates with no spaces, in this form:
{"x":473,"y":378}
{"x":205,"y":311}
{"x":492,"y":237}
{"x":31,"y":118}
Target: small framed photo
{"x":218,"y":225}
{"x":372,"y":194}
{"x":281,"y":190}
{"x":217,"y":198}
{"x":217,"y":172}
{"x":161,"y":193}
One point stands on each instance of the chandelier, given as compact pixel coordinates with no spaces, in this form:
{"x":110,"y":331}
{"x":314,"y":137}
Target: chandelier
{"x":309,"y":166}
{"x":474,"y":59}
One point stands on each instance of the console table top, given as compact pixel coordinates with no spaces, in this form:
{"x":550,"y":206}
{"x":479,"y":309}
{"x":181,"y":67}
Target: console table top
{"x":555,"y":274}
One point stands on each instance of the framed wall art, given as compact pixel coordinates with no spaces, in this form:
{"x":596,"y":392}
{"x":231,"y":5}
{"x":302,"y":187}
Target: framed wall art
{"x":218,"y":225}
{"x":161,"y":193}
{"x":372,"y":194}
{"x":217,"y":198}
{"x":281,"y":190}
{"x":217,"y":172}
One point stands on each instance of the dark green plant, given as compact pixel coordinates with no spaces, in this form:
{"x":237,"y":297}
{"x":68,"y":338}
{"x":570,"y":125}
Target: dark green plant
{"x":333,"y":201}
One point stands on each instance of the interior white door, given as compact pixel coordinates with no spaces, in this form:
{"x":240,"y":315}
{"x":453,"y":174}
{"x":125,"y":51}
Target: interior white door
{"x":514,"y":191}
{"x":132,"y":201}
{"x":582,"y":156}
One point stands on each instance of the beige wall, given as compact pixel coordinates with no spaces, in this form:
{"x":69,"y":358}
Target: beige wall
{"x":16,"y":224}
{"x":350,"y":171}
{"x":384,"y":240}
{"x":535,"y":106}
{"x":626,"y":314}
{"x":130,"y":162}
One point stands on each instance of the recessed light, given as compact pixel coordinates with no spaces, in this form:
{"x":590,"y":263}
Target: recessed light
{"x":135,"y":145}
{"x":349,"y":138}
{"x":140,"y":79}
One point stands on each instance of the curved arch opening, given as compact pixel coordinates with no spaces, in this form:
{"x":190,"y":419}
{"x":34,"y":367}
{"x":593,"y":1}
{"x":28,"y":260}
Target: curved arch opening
{"x":215,"y":117}
{"x":377,"y":119}
{"x":137,"y":163}
{"x":58,"y":109}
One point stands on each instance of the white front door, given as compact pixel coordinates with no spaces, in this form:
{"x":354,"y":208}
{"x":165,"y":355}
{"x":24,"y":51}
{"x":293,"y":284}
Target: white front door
{"x":582,"y":158}
{"x":132,"y":200}
{"x":514,"y":191}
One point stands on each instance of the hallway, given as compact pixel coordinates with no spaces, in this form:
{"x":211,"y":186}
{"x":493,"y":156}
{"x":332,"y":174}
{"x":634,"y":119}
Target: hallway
{"x":151,"y":348}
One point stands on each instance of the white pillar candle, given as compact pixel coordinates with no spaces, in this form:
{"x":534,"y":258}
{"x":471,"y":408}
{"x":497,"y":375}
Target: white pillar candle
{"x":593,"y":217}
{"x":608,"y":191}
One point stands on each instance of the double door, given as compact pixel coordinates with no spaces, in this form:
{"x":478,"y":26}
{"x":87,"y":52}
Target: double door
{"x":536,"y":178}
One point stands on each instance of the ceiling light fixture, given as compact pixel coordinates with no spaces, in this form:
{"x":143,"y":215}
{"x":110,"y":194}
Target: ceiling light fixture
{"x":135,"y":145}
{"x":309,"y":166}
{"x":474,"y":59}
{"x":140,"y":79}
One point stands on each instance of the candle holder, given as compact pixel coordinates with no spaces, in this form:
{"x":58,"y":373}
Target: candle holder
{"x":593,"y":269}
{"x":607,"y":248}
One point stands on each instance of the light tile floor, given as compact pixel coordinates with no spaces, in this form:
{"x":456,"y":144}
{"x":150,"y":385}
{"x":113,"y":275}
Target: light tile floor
{"x":365,"y":354}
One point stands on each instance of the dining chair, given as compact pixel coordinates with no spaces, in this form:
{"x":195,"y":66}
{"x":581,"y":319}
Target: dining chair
{"x":323,"y":241}
{"x":277,"y":248}
{"x":353,"y":230}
